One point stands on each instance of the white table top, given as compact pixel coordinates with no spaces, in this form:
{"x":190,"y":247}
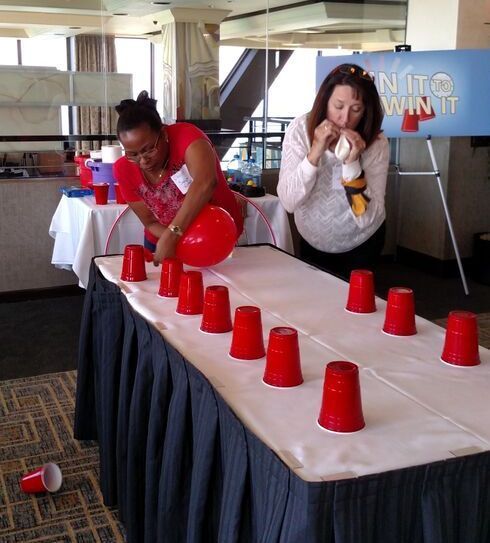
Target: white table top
{"x":417,"y":409}
{"x":80,"y":229}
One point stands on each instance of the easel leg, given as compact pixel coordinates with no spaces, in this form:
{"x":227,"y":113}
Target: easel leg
{"x":448,"y":217}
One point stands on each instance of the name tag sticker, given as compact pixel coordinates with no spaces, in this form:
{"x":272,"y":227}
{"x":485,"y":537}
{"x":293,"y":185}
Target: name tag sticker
{"x":182,"y":179}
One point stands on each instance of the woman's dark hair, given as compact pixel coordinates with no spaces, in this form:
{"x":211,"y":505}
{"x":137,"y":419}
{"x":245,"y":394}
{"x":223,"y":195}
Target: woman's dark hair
{"x":134,"y":113}
{"x":356,"y":77}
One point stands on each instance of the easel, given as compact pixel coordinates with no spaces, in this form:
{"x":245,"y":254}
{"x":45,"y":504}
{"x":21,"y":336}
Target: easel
{"x":435,"y":172}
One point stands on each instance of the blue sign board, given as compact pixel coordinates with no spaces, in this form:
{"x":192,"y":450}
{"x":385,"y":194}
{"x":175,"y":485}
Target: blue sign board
{"x":437,"y":93}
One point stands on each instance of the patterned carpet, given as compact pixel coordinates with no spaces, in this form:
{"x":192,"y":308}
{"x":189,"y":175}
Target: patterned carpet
{"x":36,"y":427}
{"x":36,"y":416}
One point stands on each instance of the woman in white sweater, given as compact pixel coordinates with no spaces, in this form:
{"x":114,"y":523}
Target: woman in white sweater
{"x":333,"y":173}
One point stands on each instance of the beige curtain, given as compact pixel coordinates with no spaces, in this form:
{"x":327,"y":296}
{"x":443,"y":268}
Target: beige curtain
{"x":95,"y":54}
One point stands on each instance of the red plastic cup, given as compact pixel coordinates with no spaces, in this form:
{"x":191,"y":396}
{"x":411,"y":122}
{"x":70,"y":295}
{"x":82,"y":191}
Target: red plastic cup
{"x":400,"y":312}
{"x":119,"y":197}
{"x":216,"y":315}
{"x":341,"y":409}
{"x":361,"y":292}
{"x":47,"y":478}
{"x":282,"y":365}
{"x":426,"y":115}
{"x":170,"y":277}
{"x":461,"y":343}
{"x":101,"y":191}
{"x":191,"y":293}
{"x":410,"y":122}
{"x":133,"y":268}
{"x":247,"y":342}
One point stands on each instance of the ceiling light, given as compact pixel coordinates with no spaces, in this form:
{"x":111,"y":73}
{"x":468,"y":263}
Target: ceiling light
{"x":74,"y":27}
{"x":161,"y":3}
{"x":121,"y":14}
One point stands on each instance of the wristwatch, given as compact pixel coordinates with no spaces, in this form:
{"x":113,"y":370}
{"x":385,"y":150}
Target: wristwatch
{"x":177,"y":230}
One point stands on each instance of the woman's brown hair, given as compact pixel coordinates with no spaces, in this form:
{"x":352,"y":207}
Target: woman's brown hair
{"x":356,"y":77}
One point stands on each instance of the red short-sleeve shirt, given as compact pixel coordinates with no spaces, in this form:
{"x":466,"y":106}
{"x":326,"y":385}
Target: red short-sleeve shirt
{"x":165,"y":198}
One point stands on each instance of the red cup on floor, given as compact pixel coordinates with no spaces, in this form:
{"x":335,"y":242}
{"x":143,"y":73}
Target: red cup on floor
{"x":47,"y":478}
{"x":400,"y":312}
{"x":119,"y":197}
{"x":429,"y":114}
{"x":191,"y":293}
{"x":170,"y":278}
{"x":133,"y":268}
{"x":361,"y":292}
{"x":461,"y":343}
{"x":282,"y":363}
{"x":247,"y":342}
{"x":410,"y":122}
{"x":101,"y":192}
{"x":341,"y":409}
{"x":216,"y":315}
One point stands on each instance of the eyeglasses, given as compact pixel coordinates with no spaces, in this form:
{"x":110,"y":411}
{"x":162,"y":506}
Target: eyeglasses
{"x":352,"y":69}
{"x":145,"y":155}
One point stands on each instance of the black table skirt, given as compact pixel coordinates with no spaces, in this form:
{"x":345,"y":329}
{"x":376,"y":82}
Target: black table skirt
{"x":181,"y":467}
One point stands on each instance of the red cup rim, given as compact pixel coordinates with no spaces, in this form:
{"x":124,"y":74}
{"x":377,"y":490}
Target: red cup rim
{"x":278,"y":387}
{"x":360,"y":312}
{"x":245,"y":359}
{"x":342,"y":366}
{"x":399,"y":335}
{"x":453,"y":365}
{"x":338,"y":431}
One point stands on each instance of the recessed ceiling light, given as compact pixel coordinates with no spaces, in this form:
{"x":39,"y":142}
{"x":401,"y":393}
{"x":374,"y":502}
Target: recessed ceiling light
{"x":161,"y":3}
{"x":120,"y":14}
{"x":74,"y":27}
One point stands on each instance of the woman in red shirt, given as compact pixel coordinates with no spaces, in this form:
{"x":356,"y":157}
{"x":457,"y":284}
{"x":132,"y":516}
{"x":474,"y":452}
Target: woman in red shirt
{"x":168,"y":173}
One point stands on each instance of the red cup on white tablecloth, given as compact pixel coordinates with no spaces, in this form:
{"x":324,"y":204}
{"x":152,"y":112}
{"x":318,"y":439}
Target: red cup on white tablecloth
{"x":461,"y":341}
{"x":400,"y":312}
{"x":247,"y":342}
{"x":47,"y":478}
{"x":119,"y":197}
{"x":172,"y":269}
{"x":361,"y":292}
{"x":282,"y":363}
{"x":216,"y":315}
{"x":101,"y":192}
{"x":133,"y":268}
{"x":191,"y":293}
{"x":341,"y":409}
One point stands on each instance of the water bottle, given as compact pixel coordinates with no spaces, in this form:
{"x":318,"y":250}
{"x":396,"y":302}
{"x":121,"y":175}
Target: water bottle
{"x":234,"y":170}
{"x":252,"y":174}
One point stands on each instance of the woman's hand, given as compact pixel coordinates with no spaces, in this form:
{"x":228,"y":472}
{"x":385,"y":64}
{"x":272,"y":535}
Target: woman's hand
{"x":166,"y":246}
{"x":357,"y":144}
{"x":326,"y":133}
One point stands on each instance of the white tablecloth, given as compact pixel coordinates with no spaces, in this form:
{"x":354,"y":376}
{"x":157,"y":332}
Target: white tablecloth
{"x":80,"y":229}
{"x":417,"y":409}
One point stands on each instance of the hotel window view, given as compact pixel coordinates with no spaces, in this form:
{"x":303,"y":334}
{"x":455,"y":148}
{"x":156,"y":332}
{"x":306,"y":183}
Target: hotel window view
{"x":237,"y":303}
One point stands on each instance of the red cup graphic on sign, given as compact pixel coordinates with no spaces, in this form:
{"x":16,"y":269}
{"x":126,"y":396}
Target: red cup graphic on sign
{"x":341,"y":409}
{"x":426,"y":110}
{"x":400,"y":312}
{"x":361,"y":292}
{"x":47,"y":478}
{"x":461,"y":342}
{"x":191,"y":293}
{"x":410,"y":122}
{"x":170,"y":277}
{"x":133,"y":268}
{"x":101,"y":192}
{"x":283,"y":366}
{"x":216,"y":315}
{"x":247,"y":342}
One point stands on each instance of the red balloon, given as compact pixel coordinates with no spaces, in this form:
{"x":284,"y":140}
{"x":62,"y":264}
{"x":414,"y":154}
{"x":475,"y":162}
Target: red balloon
{"x":209,"y":239}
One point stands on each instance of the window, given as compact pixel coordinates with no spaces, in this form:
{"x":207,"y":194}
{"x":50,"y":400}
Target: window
{"x":134,"y":57}
{"x":8,"y":46}
{"x":44,"y":52}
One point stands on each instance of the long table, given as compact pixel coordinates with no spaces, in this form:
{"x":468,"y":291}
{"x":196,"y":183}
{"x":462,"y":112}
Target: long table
{"x":194,"y":447}
{"x":80,"y":229}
